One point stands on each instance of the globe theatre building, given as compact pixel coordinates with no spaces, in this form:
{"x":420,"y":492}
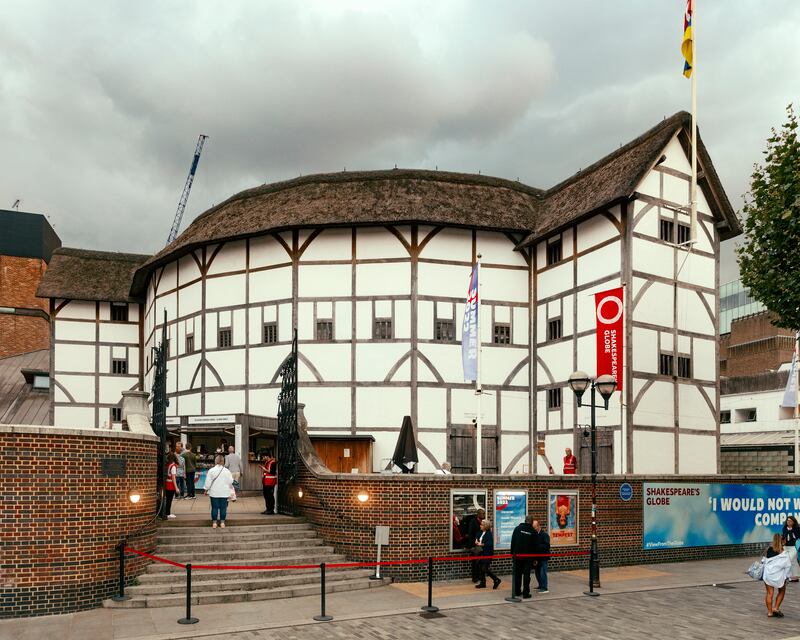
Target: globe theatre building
{"x":372,"y":268}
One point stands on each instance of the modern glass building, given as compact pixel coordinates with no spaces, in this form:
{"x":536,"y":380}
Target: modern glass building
{"x":735,"y":301}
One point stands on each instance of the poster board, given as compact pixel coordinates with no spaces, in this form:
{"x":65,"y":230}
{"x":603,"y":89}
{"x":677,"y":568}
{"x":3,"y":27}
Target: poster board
{"x":562,"y":517}
{"x":510,"y":508}
{"x":464,"y":504}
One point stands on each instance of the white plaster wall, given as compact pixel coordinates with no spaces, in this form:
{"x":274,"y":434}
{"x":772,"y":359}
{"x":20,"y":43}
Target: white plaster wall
{"x":224,"y":402}
{"x":444,"y":280}
{"x":331,"y":360}
{"x":446,"y":359}
{"x":231,"y":257}
{"x":374,"y":361}
{"x":436,"y":444}
{"x":694,"y":410}
{"x":654,"y":452}
{"x":393,"y":278}
{"x":651,"y":257}
{"x":331,"y":244}
{"x":325,"y":407}
{"x":324,"y":280}
{"x":74,"y":357}
{"x":496,"y":248}
{"x":266,"y":251}
{"x":382,"y":407}
{"x":697,"y":454}
{"x":432,"y":408}
{"x":81,"y":417}
{"x":514,"y":411}
{"x":656,"y":304}
{"x":645,"y":350}
{"x":511,"y":447}
{"x":76,"y":309}
{"x":272,"y":284}
{"x":554,"y":281}
{"x":229,"y":364}
{"x":118,"y":332}
{"x":599,"y":263}
{"x":81,"y":388}
{"x":656,"y":407}
{"x":448,"y":244}
{"x":502,"y":284}
{"x":111,"y":388}
{"x":225,"y":291}
{"x":497,"y":363}
{"x":68,"y":330}
{"x":377,"y":242}
{"x":596,"y":230}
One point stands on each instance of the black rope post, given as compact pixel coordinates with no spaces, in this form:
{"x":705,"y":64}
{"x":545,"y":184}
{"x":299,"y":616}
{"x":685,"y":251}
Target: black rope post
{"x":514,"y":597}
{"x":188,"y":619}
{"x":430,"y":608}
{"x":322,"y":617}
{"x":121,"y":597}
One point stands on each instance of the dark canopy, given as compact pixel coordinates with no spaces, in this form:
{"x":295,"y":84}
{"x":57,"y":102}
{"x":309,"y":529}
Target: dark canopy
{"x":406,"y":450}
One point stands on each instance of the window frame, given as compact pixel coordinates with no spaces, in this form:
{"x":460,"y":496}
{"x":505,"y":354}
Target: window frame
{"x":437,"y":322}
{"x":119,"y":306}
{"x":661,"y":360}
{"x":552,"y":323}
{"x":555,"y":399}
{"x":552,"y":245}
{"x":501,"y":325}
{"x":189,"y":343}
{"x":220,"y":332}
{"x":268,"y":327}
{"x":666,"y":221}
{"x":722,"y":416}
{"x":684,"y":360}
{"x":320,"y":323}
{"x":683,"y":229}
{"x":119,"y":363}
{"x":112,"y":411}
{"x":383,"y":321}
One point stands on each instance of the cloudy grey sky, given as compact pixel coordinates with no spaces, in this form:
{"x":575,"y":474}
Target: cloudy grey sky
{"x":101,"y":103}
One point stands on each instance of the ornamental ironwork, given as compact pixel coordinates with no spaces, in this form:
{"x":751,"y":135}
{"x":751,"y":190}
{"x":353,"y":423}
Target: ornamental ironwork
{"x":160,"y":402}
{"x":288,"y":455}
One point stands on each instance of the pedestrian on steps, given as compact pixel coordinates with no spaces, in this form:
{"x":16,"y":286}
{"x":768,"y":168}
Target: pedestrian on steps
{"x":233,"y":463}
{"x":181,"y":475}
{"x":218,"y":487}
{"x":190,"y":459}
{"x":269,"y":480}
{"x":170,"y":485}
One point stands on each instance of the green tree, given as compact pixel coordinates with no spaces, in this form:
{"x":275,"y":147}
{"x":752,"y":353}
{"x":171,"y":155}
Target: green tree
{"x":769,"y":259}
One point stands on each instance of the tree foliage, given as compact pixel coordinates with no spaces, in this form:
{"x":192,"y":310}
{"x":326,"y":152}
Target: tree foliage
{"x":769,"y":259}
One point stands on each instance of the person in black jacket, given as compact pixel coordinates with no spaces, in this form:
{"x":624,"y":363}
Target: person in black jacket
{"x":790,"y":535}
{"x":542,"y":546}
{"x":486,"y":544}
{"x":473,"y":533}
{"x":523,"y":541}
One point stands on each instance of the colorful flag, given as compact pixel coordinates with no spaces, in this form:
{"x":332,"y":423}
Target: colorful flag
{"x":610,"y":331}
{"x":469,"y":330}
{"x":790,"y":392}
{"x":687,"y":45}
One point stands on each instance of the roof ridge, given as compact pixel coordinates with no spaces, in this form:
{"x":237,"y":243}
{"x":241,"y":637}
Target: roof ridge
{"x":92,"y":253}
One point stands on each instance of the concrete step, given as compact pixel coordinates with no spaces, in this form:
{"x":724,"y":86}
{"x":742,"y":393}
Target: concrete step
{"x":223,"y":555}
{"x":212,"y":597}
{"x":168,"y":577}
{"x":320,"y":554}
{"x":252,"y":581}
{"x":266,"y":528}
{"x":235,"y":544}
{"x":243,"y":520}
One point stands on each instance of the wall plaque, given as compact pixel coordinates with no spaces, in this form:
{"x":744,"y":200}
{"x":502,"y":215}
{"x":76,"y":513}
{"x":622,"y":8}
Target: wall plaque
{"x":114,"y":467}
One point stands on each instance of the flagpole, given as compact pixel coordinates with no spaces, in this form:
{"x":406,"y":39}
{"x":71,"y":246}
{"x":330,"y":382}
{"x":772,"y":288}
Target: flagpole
{"x":796,"y":373}
{"x":478,"y":389}
{"x":693,"y":222}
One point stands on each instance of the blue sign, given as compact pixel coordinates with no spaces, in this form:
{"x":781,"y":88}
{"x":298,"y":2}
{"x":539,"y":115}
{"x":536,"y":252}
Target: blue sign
{"x":701,"y":515}
{"x":625,"y":492}
{"x":470,"y":330}
{"x":510,"y":509}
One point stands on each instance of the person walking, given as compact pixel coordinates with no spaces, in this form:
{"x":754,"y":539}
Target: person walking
{"x":542,"y":547}
{"x":473,"y":531}
{"x":269,"y":480}
{"x":777,"y":570}
{"x":170,"y":485}
{"x":486,"y":544}
{"x":181,"y":475}
{"x":218,"y":487}
{"x":190,"y":466}
{"x":233,"y":463}
{"x":523,"y":542}
{"x":790,"y":535}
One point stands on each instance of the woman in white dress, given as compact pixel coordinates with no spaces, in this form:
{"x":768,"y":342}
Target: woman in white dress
{"x":790,"y":536}
{"x":777,"y":570}
{"x":218,"y":487}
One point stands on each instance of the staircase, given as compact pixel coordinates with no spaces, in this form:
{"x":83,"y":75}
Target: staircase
{"x":277,"y":540}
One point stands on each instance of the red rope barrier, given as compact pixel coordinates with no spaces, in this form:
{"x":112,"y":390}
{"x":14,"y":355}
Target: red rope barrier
{"x":350,"y":565}
{"x":156,"y":558}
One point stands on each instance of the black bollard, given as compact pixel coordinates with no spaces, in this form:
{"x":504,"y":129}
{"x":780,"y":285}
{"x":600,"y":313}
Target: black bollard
{"x":322,"y":617}
{"x":188,"y":619}
{"x":514,"y":597}
{"x":121,"y":597}
{"x":429,"y":608}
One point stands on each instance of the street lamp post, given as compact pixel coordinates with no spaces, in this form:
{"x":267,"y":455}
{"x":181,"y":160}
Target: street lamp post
{"x":579,"y":382}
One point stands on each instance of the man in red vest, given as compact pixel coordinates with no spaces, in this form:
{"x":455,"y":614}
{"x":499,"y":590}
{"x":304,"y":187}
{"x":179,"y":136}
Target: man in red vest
{"x":570,"y":462}
{"x":269,"y":480}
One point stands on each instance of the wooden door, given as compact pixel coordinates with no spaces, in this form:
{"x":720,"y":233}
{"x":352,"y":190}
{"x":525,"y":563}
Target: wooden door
{"x":461,"y":453}
{"x":605,"y":452}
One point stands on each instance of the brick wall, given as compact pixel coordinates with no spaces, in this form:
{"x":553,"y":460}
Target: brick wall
{"x":19,"y":279}
{"x":62,"y":518}
{"x":755,"y":345}
{"x":417,"y":507}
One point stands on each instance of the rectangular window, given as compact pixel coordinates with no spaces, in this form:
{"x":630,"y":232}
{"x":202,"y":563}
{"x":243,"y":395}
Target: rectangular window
{"x":725,"y":417}
{"x":554,"y":398}
{"x":270,"y":332}
{"x":325,"y":330}
{"x":665,"y":362}
{"x":224,"y":338}
{"x":750,"y":415}
{"x":667,"y":230}
{"x":554,"y":329}
{"x":554,"y":251}
{"x":119,"y":366}
{"x":501,"y":333}
{"x":684,"y":233}
{"x":116,"y":414}
{"x":684,"y":367}
{"x":189,"y":344}
{"x":119,"y":312}
{"x":382,"y":329}
{"x":444,"y":331}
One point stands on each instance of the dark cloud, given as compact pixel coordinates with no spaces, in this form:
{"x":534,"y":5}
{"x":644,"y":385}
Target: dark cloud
{"x":101,"y":103}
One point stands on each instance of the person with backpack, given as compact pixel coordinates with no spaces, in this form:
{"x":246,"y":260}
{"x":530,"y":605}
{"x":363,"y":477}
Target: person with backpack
{"x":523,"y":542}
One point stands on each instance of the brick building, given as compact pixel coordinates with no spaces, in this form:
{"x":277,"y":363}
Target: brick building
{"x":26,"y":243}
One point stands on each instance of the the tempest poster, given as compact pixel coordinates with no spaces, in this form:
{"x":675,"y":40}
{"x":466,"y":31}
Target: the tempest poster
{"x":701,"y":515}
{"x":563,"y":517}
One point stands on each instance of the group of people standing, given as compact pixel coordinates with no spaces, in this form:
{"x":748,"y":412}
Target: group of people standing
{"x":528,"y":539}
{"x":179,"y":477}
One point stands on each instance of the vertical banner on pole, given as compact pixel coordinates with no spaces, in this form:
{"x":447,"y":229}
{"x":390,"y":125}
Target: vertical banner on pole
{"x":469,"y":332}
{"x":609,"y":310}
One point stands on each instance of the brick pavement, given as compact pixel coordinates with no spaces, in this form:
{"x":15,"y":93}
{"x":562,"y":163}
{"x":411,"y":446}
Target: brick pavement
{"x":688,"y":613}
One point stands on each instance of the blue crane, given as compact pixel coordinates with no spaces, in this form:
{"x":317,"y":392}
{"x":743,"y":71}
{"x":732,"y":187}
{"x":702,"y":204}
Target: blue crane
{"x":176,"y":224}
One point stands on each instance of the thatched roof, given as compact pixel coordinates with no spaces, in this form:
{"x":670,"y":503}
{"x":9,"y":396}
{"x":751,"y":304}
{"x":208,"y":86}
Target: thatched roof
{"x":79,"y":274}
